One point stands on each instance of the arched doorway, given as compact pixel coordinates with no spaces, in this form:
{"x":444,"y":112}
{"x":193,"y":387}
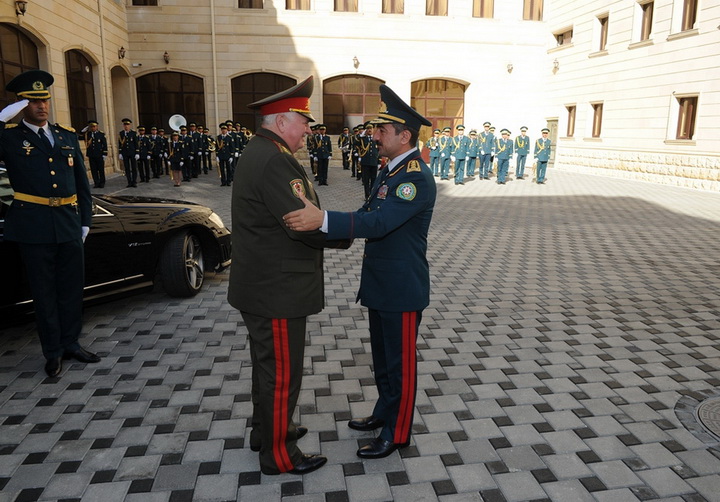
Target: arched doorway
{"x":441,"y":101}
{"x":164,"y":94}
{"x":349,"y":100}
{"x":252,"y":87}
{"x":81,"y":89}
{"x":17,"y":54}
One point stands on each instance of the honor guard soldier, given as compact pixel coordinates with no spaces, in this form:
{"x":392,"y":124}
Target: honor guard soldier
{"x":177,"y":157}
{"x":323,"y":154}
{"x":522,"y":148}
{"x":225,"y":151}
{"x":355,"y":153}
{"x":343,"y":144}
{"x":194,"y":149}
{"x":129,"y":152}
{"x":445,"y":147}
{"x":156,"y":152}
{"x":242,"y":136}
{"x":487,"y":141}
{"x":310,"y":142}
{"x":433,"y":144}
{"x":276,"y":280}
{"x":369,"y":159}
{"x":542,"y":155}
{"x":96,"y":148}
{"x":493,"y":162}
{"x":164,"y":140}
{"x":49,"y":217}
{"x":473,"y":151}
{"x":144,"y":148}
{"x":237,"y":142}
{"x":503,"y":152}
{"x":187,"y":149}
{"x":204,"y":148}
{"x":395,"y":278}
{"x":460,"y":145}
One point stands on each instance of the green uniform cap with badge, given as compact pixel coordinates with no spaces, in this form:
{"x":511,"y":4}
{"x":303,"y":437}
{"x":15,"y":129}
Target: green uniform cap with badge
{"x":394,"y":110}
{"x":32,"y":84}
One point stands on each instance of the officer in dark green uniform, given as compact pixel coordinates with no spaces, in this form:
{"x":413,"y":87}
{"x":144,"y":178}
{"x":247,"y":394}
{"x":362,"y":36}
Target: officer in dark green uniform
{"x":276,"y":280}
{"x":50,"y":216}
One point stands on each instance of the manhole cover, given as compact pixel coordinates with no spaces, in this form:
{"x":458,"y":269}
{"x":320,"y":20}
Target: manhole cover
{"x":708,"y":414}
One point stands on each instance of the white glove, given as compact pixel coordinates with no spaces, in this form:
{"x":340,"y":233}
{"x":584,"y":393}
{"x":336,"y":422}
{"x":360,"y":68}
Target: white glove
{"x":329,"y":156}
{"x":84,"y":129}
{"x":148,"y":157}
{"x":442,"y":155}
{"x":452,"y":157}
{"x":85,"y":232}
{"x":104,"y":157}
{"x":182,"y":163}
{"x":165,"y":155}
{"x":137,"y":156}
{"x":237,"y":154}
{"x":315,"y":158}
{"x":11,"y":110}
{"x":120,"y":156}
{"x":199,"y":153}
{"x":192,"y":157}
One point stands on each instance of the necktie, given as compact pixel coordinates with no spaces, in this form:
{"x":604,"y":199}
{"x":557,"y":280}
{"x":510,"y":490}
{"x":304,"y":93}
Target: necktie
{"x":44,"y":138}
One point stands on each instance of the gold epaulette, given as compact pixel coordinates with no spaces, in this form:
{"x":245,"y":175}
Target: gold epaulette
{"x":413,"y":167}
{"x":10,"y":126}
{"x":67,"y":128}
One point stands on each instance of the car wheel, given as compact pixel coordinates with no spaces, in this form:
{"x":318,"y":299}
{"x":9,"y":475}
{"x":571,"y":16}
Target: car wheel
{"x":181,"y":265}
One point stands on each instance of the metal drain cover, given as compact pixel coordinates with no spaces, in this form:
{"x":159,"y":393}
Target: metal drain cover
{"x":708,"y":414}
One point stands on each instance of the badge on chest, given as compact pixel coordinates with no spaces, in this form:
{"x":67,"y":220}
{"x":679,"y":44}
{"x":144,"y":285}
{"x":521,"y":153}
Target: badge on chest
{"x":382,"y":192}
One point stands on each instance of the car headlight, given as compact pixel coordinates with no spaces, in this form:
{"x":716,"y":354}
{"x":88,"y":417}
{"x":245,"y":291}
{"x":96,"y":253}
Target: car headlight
{"x":215,"y":218}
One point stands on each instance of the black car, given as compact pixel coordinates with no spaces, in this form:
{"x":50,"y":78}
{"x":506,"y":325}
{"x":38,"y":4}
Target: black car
{"x":133,"y":242}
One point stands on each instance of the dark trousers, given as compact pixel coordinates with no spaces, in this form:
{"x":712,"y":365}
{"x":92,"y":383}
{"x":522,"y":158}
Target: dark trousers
{"x":393,"y":337}
{"x":205,"y":162}
{"x":195,"y":165}
{"x":56,"y":273}
{"x":277,"y":348}
{"x":345,"y":160}
{"x":369,"y":173}
{"x":224,"y":166}
{"x":354,"y":165}
{"x":187,"y":169}
{"x":144,"y":168}
{"x":322,"y":170}
{"x":97,"y":169}
{"x":130,"y":168}
{"x":156,"y":165}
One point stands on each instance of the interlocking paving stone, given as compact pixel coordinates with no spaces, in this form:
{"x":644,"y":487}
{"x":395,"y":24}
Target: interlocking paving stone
{"x":551,"y":360}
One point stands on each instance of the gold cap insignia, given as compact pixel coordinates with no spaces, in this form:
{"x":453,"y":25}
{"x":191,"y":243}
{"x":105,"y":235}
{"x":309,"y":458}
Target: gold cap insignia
{"x":383,"y":107}
{"x":38,"y":86}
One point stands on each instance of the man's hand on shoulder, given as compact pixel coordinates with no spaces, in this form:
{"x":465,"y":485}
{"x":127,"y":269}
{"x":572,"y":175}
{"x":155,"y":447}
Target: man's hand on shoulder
{"x":308,"y":218}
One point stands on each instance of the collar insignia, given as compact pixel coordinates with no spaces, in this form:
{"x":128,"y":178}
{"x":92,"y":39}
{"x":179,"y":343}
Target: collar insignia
{"x":413,"y":167}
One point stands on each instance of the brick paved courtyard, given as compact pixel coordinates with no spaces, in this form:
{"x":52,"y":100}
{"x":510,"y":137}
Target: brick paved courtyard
{"x":568,"y":322}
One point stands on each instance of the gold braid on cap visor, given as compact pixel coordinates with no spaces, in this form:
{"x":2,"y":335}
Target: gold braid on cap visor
{"x":44,"y":94}
{"x":387,"y":116}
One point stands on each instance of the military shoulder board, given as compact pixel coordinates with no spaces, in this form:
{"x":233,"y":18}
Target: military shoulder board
{"x":413,"y":167}
{"x":10,"y":126}
{"x":67,"y":128}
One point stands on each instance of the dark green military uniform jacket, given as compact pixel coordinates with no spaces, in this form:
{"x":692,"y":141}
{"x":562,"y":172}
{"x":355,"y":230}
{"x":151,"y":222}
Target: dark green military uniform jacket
{"x":276,"y":273}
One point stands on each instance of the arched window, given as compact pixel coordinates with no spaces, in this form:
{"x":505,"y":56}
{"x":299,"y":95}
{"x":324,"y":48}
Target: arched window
{"x":349,"y":100}
{"x":442,"y":102}
{"x":252,"y":87}
{"x":17,"y":54}
{"x":164,"y":94}
{"x":81,"y":90}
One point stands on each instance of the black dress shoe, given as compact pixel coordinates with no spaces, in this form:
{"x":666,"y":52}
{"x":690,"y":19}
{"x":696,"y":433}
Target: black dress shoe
{"x":308,"y":463}
{"x":53,"y":366}
{"x":379,"y":448}
{"x":300,"y":430}
{"x":82,"y":355}
{"x":366,"y":424}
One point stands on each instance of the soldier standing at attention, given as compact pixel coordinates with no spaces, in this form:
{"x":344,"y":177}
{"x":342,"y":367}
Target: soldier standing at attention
{"x":323,"y":154}
{"x":460,"y":145}
{"x":432,"y":145}
{"x":49,"y":217}
{"x":156,"y":152}
{"x":129,"y":152}
{"x":522,"y":148}
{"x":225,"y":150}
{"x":395,"y":279}
{"x":503,"y":152}
{"x":177,"y":156}
{"x":164,"y":151}
{"x":369,"y":159}
{"x":445,"y":147}
{"x":473,"y":150}
{"x":144,"y":151}
{"x":487,"y":139}
{"x":276,"y":280}
{"x":96,"y":148}
{"x":542,"y":155}
{"x":343,"y":144}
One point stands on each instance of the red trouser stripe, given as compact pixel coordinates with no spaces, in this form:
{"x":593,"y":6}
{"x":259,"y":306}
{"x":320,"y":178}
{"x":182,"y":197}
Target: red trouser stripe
{"x":282,"y":388}
{"x":407,"y":399}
